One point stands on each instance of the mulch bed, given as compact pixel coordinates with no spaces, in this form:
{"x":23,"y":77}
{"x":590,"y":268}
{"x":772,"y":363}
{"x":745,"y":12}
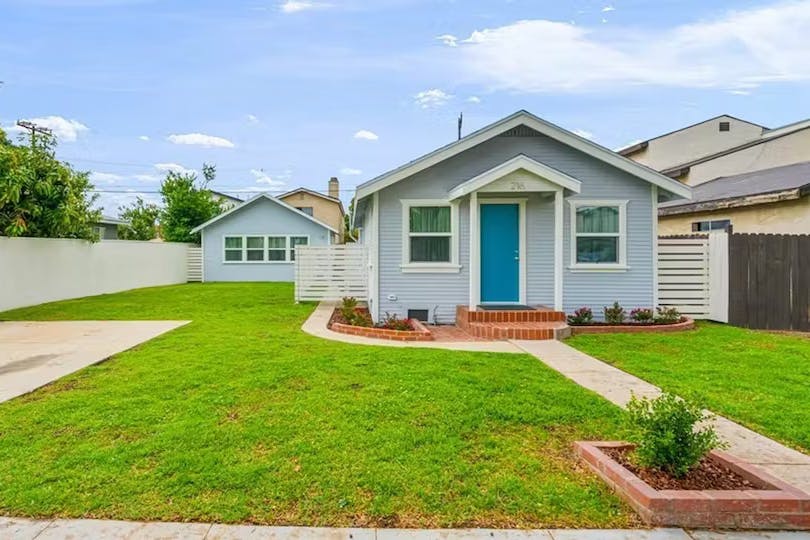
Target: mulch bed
{"x":337,"y":317}
{"x":708,"y":474}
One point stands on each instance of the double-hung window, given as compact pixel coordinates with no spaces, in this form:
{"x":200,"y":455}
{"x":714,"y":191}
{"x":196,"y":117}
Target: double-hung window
{"x":276,"y":248}
{"x":261,"y":249}
{"x":598,"y":237}
{"x":429,"y":239}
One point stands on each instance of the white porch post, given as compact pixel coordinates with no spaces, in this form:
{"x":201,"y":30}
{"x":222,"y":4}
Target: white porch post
{"x":475,"y":261}
{"x":558,"y":249}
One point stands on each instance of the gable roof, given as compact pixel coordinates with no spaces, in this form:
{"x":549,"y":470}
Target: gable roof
{"x":315,"y":193}
{"x":250,"y":201}
{"x":787,"y":182}
{"x":641,"y":145}
{"x":225,"y":196}
{"x":767,"y":135}
{"x":546,"y":128}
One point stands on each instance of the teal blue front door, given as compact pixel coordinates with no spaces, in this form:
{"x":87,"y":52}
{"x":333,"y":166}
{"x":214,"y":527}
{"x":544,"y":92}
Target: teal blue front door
{"x":500,"y":253}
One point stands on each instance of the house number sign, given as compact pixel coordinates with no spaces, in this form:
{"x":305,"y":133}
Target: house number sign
{"x":518,"y":186}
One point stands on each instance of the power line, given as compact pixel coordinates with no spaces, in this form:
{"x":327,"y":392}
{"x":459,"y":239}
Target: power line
{"x":34,"y":129}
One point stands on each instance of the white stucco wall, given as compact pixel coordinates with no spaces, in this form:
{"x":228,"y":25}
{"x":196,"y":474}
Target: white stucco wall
{"x":38,"y":270}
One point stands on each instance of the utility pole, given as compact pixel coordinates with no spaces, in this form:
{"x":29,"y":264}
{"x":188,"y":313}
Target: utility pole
{"x":34,"y":129}
{"x":460,"y":124}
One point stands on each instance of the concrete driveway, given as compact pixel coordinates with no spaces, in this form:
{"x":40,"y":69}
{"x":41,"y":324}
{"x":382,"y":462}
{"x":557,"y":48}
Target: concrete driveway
{"x":33,"y":354}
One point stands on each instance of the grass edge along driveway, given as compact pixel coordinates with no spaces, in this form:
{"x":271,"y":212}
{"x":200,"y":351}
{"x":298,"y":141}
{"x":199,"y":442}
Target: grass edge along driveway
{"x":759,"y":379}
{"x":241,"y":417}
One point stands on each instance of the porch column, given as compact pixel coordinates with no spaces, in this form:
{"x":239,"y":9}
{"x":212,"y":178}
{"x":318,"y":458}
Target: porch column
{"x":558,"y":249}
{"x":475,"y":261}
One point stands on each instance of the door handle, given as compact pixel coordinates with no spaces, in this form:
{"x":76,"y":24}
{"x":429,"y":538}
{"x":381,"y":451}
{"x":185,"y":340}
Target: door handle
{"x":517,"y":255}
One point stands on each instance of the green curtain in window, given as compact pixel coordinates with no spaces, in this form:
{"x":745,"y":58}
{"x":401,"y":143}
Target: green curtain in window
{"x":233,"y":242}
{"x":430,"y":249}
{"x":430,"y":219}
{"x":597,"y":219}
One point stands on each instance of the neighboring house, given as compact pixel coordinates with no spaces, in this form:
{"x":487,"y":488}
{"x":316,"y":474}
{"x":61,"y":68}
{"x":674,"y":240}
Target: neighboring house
{"x":107,"y":227}
{"x":325,"y":208}
{"x":768,"y":201}
{"x":256,"y":240}
{"x":722,"y":146}
{"x":227,"y":201}
{"x":521,"y":212}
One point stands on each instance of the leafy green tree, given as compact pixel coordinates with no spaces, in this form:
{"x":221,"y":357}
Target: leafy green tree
{"x":142,"y":218}
{"x":41,"y":196}
{"x":187,"y":203}
{"x":349,"y":232}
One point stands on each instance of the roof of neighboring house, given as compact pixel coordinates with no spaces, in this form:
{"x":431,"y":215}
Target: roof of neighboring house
{"x":107,"y":220}
{"x":641,"y":145}
{"x":787,"y":182}
{"x":315,"y":193}
{"x":546,"y":128}
{"x":250,"y":201}
{"x":767,"y":135}
{"x":225,"y":196}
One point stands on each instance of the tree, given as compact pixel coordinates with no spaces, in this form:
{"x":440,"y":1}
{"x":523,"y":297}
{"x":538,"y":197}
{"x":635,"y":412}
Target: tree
{"x":41,"y":196}
{"x":349,"y":232}
{"x":142,"y":218}
{"x":187,"y":204}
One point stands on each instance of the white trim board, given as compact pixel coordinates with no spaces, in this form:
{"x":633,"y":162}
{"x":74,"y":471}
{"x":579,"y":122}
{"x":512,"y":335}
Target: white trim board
{"x":546,"y":128}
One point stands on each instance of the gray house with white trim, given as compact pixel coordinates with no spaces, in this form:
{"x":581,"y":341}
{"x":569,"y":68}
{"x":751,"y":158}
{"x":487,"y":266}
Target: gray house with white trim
{"x":256,"y":240}
{"x":521,"y":212}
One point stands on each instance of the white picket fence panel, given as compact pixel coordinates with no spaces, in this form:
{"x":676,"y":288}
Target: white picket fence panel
{"x":194,"y":270}
{"x":693,"y":275}
{"x":331,"y":272}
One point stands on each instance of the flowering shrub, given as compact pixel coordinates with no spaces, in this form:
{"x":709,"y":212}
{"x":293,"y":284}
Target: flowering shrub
{"x":392,"y":322}
{"x":642,"y":315}
{"x":583,"y":315}
{"x":348,"y":309}
{"x":668,"y":315}
{"x":615,"y":314}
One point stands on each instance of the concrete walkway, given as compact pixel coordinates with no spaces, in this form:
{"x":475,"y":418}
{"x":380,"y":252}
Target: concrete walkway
{"x":618,"y":386}
{"x":24,"y":529}
{"x":316,"y":325}
{"x":33,"y":354}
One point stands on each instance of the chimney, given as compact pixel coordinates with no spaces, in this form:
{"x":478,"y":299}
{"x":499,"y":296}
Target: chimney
{"x":334,"y":187}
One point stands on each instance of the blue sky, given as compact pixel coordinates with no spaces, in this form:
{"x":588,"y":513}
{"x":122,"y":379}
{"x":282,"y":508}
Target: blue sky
{"x":286,"y":93}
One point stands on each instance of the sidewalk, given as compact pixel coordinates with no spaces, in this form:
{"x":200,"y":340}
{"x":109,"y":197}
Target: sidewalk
{"x":617,"y":386}
{"x":24,"y":529}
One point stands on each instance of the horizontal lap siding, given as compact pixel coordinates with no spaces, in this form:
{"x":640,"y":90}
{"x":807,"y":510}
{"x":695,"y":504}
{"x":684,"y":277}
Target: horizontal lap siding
{"x":540,"y":248}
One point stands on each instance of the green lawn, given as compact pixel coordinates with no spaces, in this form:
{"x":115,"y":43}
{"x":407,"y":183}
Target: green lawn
{"x":759,"y":379}
{"x":240,"y":416}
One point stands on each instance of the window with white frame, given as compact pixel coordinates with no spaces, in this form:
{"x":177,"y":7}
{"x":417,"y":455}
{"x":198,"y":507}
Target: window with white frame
{"x":261,"y":249}
{"x":429,"y":229}
{"x":598,"y":234}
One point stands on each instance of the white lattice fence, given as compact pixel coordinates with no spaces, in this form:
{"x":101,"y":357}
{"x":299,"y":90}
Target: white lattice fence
{"x":195,"y":264}
{"x":331,"y":272}
{"x":683,"y":275}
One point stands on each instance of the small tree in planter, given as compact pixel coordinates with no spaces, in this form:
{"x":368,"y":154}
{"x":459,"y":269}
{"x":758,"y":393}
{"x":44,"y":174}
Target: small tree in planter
{"x":583,"y":315}
{"x":667,"y":315}
{"x":667,"y":436}
{"x":642,"y":315}
{"x":615,"y":314}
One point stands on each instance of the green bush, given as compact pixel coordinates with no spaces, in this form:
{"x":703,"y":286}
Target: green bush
{"x":668,"y":315}
{"x":583,"y":315}
{"x":666,"y":434}
{"x":615,"y":314}
{"x":350,"y":313}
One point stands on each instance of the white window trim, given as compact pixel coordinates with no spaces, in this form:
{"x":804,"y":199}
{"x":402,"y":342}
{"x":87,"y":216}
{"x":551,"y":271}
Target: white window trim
{"x":430,"y":267}
{"x":621,"y":265}
{"x":244,"y":249}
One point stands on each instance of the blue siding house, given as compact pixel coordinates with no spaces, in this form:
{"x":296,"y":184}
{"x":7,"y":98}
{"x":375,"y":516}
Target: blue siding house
{"x":256,"y":240}
{"x":521,"y":212}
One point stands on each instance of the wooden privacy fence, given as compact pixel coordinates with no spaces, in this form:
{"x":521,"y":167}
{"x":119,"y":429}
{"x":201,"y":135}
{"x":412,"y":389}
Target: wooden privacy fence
{"x":769,"y":280}
{"x":195,"y":262}
{"x":331,"y":272}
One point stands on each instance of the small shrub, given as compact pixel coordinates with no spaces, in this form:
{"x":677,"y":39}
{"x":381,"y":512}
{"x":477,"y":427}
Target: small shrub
{"x":348,"y":309}
{"x":642,"y":315}
{"x":392,"y":322}
{"x":615,"y":314}
{"x":583,"y":315}
{"x":668,"y":315}
{"x":666,"y":436}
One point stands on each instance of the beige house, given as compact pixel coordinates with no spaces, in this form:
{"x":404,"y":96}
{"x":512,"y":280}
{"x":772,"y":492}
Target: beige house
{"x":327,"y":209}
{"x":719,"y":158}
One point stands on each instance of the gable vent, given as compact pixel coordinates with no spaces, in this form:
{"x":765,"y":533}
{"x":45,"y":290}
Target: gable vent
{"x":521,"y":131}
{"x":725,"y":126}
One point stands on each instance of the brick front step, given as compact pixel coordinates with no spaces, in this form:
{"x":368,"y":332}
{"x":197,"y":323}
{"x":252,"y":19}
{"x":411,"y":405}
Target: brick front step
{"x":518,"y":330}
{"x":540,"y":314}
{"x":775,"y":505}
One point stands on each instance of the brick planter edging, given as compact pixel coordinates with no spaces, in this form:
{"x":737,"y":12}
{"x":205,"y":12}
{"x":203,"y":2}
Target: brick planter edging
{"x":777,"y":506}
{"x":419,"y":333}
{"x":687,"y":324}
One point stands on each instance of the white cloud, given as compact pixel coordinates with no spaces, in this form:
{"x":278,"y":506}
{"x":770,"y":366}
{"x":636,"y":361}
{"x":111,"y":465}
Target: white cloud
{"x":173,"y":167}
{"x":366,"y":135}
{"x":448,"y":39}
{"x":104,"y":178}
{"x":473,"y":99}
{"x":607,"y":9}
{"x":200,"y":139}
{"x":143,"y":138}
{"x":348,"y":171}
{"x":296,"y":6}
{"x":582,"y":133}
{"x":740,"y":92}
{"x":266,"y":179}
{"x":146,"y":177}
{"x":432,"y":98}
{"x":252,"y":119}
{"x":754,"y":46}
{"x":62,"y":128}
